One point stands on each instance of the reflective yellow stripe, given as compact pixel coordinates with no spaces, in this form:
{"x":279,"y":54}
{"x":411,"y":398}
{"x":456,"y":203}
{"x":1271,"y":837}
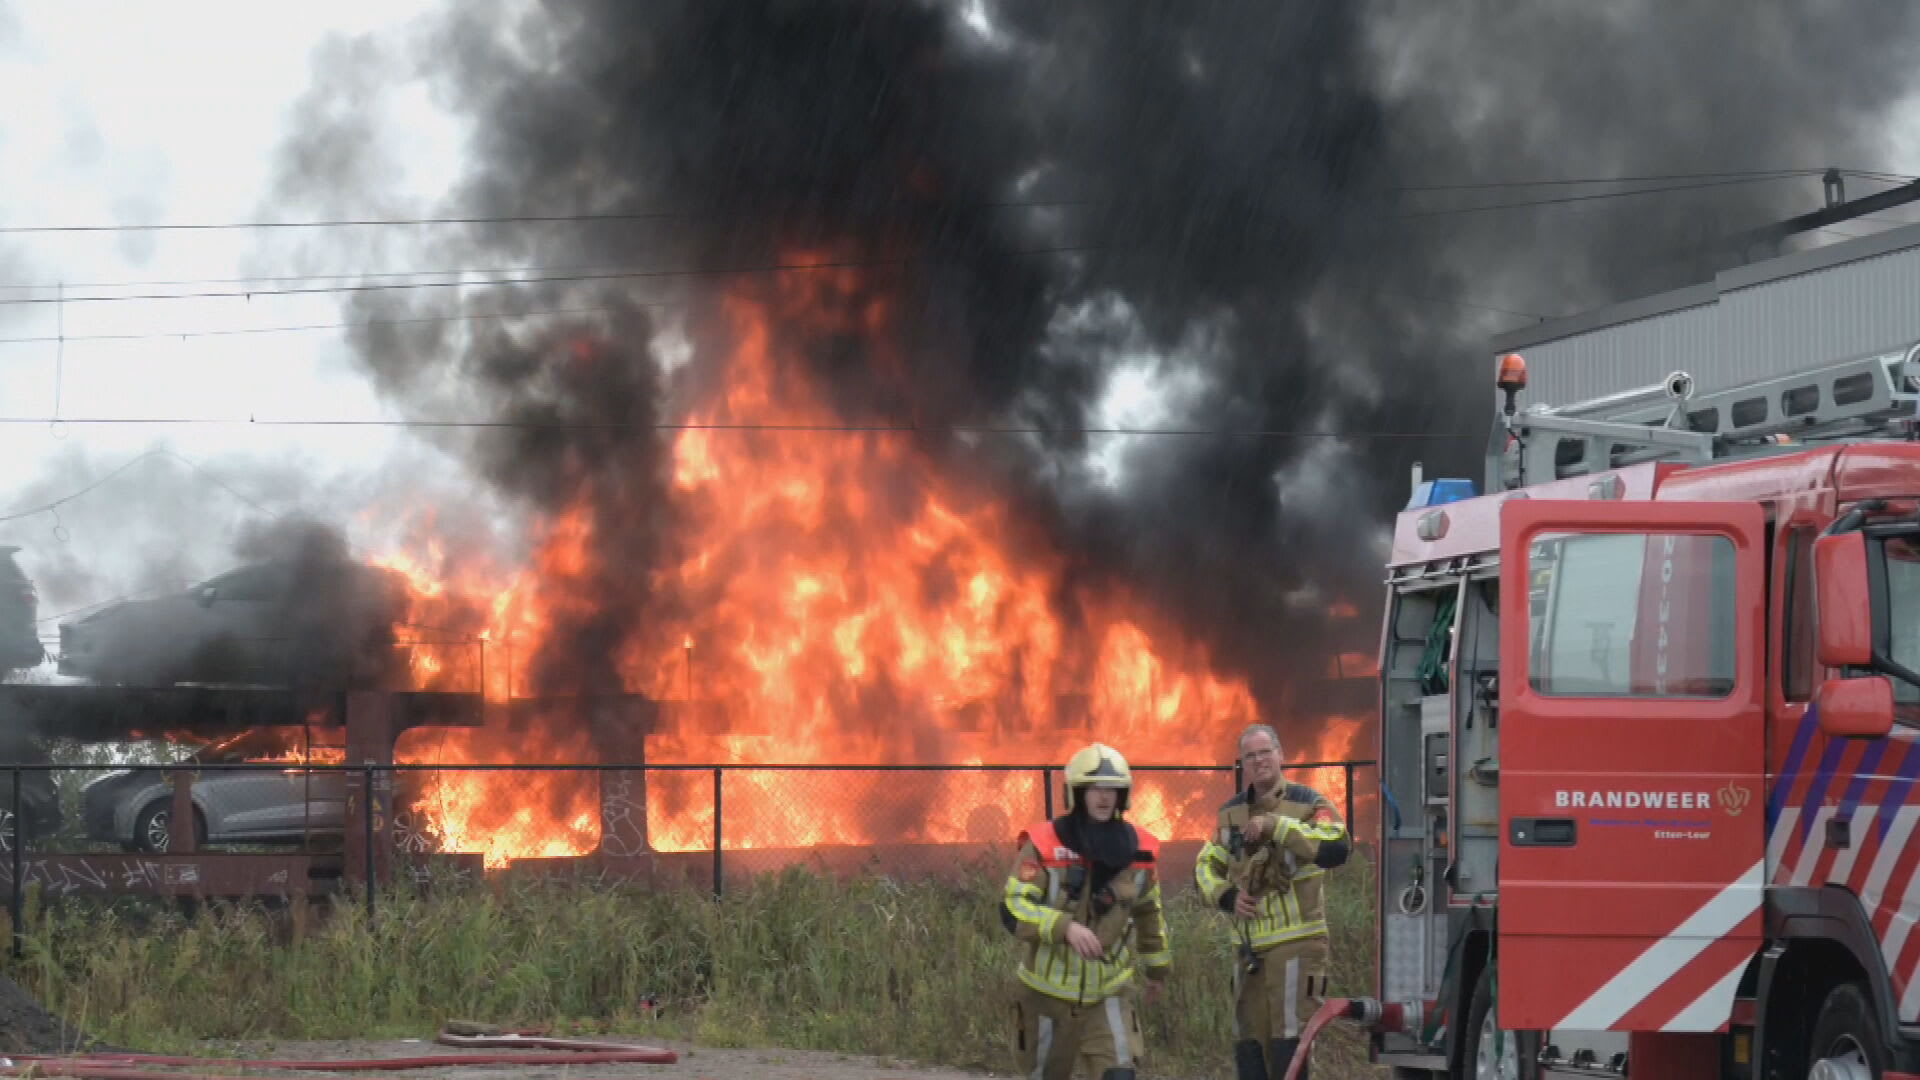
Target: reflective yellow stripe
{"x":1023,"y":901}
{"x":1334,"y":831}
{"x":1209,"y":872}
{"x":1280,"y":919}
{"x":1102,"y":978}
{"x":1292,"y":933}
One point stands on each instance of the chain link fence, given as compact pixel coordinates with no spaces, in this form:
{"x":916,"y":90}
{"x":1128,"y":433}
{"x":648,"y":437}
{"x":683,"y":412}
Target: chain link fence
{"x":267,"y":827}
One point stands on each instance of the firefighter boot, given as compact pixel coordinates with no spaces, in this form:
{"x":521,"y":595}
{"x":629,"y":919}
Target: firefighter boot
{"x":1248,"y":1062}
{"x":1280,"y":1055}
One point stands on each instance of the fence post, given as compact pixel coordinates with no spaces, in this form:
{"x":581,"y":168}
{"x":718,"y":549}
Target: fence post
{"x":719,"y":867}
{"x":17,"y":838}
{"x":1046,"y":792}
{"x":1347,"y":767}
{"x":366,"y":821}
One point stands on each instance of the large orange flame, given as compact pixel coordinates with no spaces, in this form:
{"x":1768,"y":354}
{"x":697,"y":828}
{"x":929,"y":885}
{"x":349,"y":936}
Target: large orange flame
{"x":837,"y":596}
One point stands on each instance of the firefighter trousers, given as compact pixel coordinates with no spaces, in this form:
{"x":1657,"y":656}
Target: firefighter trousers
{"x":1052,"y":1036}
{"x":1272,"y":1004}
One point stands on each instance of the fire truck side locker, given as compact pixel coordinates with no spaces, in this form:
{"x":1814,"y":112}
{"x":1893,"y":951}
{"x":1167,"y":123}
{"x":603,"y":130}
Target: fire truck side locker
{"x":1413,"y":745}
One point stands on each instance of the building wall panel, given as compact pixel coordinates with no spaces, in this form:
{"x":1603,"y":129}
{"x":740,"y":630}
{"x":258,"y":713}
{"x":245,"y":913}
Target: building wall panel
{"x":1791,"y":324}
{"x":1618,"y":357}
{"x":1754,"y":322}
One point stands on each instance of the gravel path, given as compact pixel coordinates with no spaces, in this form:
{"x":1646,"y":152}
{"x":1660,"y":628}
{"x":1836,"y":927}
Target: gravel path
{"x":696,"y":1063}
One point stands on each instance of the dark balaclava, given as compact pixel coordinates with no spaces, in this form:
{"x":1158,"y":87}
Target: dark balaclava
{"x":1109,"y":845}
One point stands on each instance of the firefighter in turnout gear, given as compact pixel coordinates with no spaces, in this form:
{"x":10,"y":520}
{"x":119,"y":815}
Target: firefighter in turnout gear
{"x":1083,"y":900}
{"x":1264,"y":868}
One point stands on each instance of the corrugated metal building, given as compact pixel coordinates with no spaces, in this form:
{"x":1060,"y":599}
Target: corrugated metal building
{"x":1767,"y":319}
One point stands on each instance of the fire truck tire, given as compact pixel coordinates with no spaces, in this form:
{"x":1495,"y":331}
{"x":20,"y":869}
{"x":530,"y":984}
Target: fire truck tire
{"x":1519,"y":1054}
{"x":1847,"y":1043}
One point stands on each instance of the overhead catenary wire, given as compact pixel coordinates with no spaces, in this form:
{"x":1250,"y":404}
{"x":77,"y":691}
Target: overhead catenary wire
{"x":580,"y":217}
{"x":360,"y":324}
{"x":1561,"y":200}
{"x":367,"y":275}
{"x":494,"y":276}
{"x":770,"y":428}
{"x":1487,"y":185}
{"x":598,"y":309}
{"x":598,"y":217}
{"x":491,"y":278}
{"x":619,"y":267}
{"x":15,"y":515}
{"x":624,"y":275}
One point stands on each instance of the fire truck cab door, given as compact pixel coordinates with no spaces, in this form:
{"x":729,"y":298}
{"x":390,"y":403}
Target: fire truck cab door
{"x":1631,"y":765}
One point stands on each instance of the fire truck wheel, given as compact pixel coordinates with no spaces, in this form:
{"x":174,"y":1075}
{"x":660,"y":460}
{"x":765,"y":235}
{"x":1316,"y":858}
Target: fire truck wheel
{"x":1518,"y":1053}
{"x":1846,"y":1043}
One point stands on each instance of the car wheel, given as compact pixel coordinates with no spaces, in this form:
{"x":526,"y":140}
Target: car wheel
{"x":1846,"y":1043}
{"x":153,"y":831}
{"x":1492,"y":1053}
{"x":6,"y":832}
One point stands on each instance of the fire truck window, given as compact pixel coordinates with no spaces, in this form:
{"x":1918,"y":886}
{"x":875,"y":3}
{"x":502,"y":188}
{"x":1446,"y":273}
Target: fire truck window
{"x":1903,"y":609}
{"x":1633,"y":615}
{"x":1797,"y":652}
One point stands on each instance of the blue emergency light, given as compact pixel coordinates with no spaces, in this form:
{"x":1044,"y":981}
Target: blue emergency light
{"x":1436,"y":492}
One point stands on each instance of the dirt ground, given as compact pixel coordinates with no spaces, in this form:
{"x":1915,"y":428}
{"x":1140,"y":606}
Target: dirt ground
{"x":696,"y":1063}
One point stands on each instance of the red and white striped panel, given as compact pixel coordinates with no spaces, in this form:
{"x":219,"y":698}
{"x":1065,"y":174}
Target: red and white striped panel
{"x":1882,"y":870}
{"x":1686,"y":980}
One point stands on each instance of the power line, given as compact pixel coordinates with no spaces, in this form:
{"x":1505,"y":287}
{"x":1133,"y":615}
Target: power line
{"x":358,"y":276}
{"x":1759,"y":174}
{"x":1565,"y":199}
{"x":16,"y":515}
{"x":223,"y":485}
{"x":958,"y":429}
{"x":151,"y":335}
{"x":562,"y":278}
{"x":476,"y":316}
{"x":63,"y":500}
{"x":664,"y":215}
{"x":652,"y":215}
{"x":490,"y":219}
{"x":564,"y":274}
{"x":1883,"y":177}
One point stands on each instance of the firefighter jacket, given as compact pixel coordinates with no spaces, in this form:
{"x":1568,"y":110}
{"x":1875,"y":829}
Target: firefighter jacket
{"x":1304,"y":838}
{"x":1047,"y":892}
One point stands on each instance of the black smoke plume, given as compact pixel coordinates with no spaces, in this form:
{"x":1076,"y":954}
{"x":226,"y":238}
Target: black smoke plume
{"x":1229,"y":201}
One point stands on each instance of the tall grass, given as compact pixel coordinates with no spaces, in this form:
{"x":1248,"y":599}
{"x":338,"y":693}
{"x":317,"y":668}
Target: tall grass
{"x":918,"y":971}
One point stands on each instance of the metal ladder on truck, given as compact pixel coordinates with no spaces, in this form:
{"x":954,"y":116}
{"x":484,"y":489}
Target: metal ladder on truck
{"x":1866,"y":397}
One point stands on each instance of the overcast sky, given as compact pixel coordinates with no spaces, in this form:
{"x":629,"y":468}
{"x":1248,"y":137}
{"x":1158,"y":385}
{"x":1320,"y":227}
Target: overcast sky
{"x":129,"y":113}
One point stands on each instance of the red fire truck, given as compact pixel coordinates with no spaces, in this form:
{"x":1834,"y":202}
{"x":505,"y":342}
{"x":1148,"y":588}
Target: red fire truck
{"x":1650,"y":736}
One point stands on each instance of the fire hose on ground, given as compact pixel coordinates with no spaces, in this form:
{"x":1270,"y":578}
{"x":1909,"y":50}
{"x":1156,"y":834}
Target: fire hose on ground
{"x":546,"y":1051}
{"x":1371,"y":1015}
